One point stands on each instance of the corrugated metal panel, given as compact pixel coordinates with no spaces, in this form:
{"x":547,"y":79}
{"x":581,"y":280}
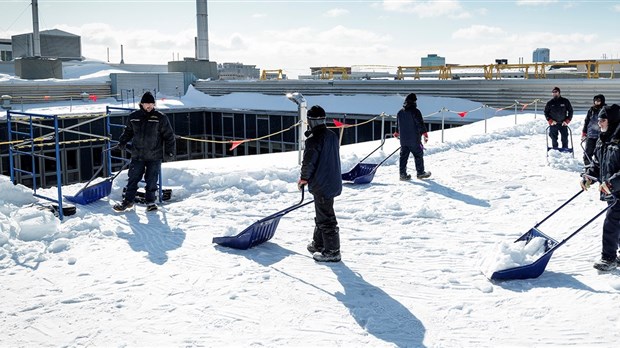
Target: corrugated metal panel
{"x":170,"y":84}
{"x":495,"y":93}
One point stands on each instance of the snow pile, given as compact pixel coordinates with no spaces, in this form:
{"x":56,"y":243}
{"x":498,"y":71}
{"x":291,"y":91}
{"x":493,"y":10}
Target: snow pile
{"x":506,"y":255}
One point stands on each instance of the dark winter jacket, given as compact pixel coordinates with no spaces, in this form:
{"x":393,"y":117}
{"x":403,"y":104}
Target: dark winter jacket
{"x":148,"y":133}
{"x":321,"y":163}
{"x":590,"y":124}
{"x":606,"y":156}
{"x":410,"y":125}
{"x":559,"y":109}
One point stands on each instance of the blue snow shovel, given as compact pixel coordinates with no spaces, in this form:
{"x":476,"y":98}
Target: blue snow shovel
{"x":535,"y":269}
{"x":363,"y":173}
{"x":260,"y":231}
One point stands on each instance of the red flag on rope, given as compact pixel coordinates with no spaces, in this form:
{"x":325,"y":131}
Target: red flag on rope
{"x":92,"y":97}
{"x":524,"y":106}
{"x":462,"y":114}
{"x":338,"y":123}
{"x":236,"y":143}
{"x":47,"y":97}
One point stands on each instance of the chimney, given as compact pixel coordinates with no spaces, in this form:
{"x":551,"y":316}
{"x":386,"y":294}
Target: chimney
{"x":202,"y":45}
{"x":35,"y":29}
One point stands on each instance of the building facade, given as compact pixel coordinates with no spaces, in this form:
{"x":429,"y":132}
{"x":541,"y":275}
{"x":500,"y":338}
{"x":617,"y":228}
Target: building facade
{"x":6,"y":52}
{"x":237,"y":71}
{"x":541,"y":55}
{"x":433,"y":60}
{"x":54,"y":44}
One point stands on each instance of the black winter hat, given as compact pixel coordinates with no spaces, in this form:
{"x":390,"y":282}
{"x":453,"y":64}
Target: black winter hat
{"x":316,"y":116}
{"x":556,"y":89}
{"x":611,"y":113}
{"x":316,"y":112}
{"x":599,"y":97}
{"x":147,"y":98}
{"x":411,"y":97}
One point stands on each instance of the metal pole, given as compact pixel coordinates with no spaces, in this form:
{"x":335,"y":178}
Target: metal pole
{"x":516,"y":104}
{"x":484,"y":109}
{"x":302,"y":108}
{"x":443,"y":124}
{"x":535,"y":108}
{"x":58,"y":169}
{"x":382,"y":128}
{"x":10,"y":138}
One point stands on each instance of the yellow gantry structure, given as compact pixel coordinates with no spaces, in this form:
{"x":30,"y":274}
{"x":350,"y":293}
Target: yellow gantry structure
{"x":591,"y":69}
{"x":278,"y":72}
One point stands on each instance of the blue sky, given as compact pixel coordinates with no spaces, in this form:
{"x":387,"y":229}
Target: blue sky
{"x":294,"y":35}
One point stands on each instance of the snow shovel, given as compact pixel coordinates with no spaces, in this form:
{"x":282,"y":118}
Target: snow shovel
{"x":535,"y":269}
{"x":89,"y":194}
{"x":260,"y":231}
{"x":363,"y":173}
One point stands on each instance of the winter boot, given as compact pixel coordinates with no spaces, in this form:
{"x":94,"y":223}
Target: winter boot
{"x":122,"y":206}
{"x":405,"y":177}
{"x":606,"y":265}
{"x":151,"y":207}
{"x":313,"y":247}
{"x":327,"y":256}
{"x":424,"y":175}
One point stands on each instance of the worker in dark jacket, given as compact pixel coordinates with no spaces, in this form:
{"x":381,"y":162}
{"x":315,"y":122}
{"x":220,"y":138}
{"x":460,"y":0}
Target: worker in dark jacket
{"x":411,"y":130}
{"x":606,"y":168}
{"x":559,"y":113}
{"x":591,"y":130}
{"x":151,"y":137}
{"x":320,"y":170}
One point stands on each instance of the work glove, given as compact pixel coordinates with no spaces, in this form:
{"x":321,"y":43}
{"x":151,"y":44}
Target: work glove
{"x":396,"y":134}
{"x":301,"y":183}
{"x":169,"y":157}
{"x":583,"y":136}
{"x":552,"y":122}
{"x":605,"y":187}
{"x":565,"y":123}
{"x":425,"y":135}
{"x":118,"y":146}
{"x":585,"y":184}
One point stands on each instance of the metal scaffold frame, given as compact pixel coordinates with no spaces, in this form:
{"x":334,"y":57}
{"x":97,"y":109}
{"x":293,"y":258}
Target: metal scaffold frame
{"x":15,"y":144}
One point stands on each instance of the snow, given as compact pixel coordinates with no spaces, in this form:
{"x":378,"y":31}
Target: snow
{"x":416,"y":255}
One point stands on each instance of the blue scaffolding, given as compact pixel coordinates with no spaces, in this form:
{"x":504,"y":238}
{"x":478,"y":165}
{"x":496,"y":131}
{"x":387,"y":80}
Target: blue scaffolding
{"x":27,"y":140}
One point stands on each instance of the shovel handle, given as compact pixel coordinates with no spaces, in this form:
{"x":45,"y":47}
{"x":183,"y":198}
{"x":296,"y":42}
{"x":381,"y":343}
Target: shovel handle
{"x":560,"y":207}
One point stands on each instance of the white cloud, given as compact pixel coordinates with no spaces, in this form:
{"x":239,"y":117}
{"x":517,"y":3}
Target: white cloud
{"x":617,"y":8}
{"x":426,"y":9}
{"x":478,"y":32}
{"x":535,"y":2}
{"x":336,"y":12}
{"x":259,"y":15}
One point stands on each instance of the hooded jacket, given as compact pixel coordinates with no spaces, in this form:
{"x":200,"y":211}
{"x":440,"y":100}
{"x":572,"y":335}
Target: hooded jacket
{"x":410,"y":124}
{"x":148,"y":132}
{"x":606,"y":156}
{"x":590,"y":124}
{"x":321,"y":163}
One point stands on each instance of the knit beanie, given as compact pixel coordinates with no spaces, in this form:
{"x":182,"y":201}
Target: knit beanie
{"x":147,"y":98}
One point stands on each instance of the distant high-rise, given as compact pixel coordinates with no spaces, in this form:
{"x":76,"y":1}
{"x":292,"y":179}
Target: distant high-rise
{"x":433,"y":60}
{"x":541,"y":55}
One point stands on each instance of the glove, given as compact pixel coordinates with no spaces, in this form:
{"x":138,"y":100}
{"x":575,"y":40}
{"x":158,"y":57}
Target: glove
{"x":585,"y":184}
{"x":425,"y":135}
{"x":169,"y":157}
{"x":119,"y":146}
{"x":301,"y":183}
{"x":565,"y":123}
{"x":396,"y":134}
{"x":583,"y":136}
{"x":605,"y":188}
{"x":552,"y":122}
